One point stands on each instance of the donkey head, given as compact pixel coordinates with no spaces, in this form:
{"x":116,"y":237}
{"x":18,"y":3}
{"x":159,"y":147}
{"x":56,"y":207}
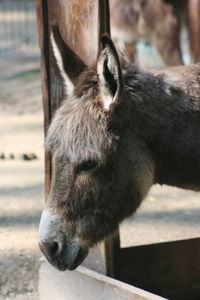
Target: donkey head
{"x":95,"y":182}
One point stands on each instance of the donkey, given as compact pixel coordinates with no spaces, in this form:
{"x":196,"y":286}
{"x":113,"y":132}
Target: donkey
{"x":118,"y":131}
{"x":157,"y":21}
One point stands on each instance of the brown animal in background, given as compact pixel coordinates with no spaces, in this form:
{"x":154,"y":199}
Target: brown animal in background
{"x":118,"y":131}
{"x":157,"y":21}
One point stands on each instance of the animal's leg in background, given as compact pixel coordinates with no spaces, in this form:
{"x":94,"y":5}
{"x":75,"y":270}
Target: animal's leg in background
{"x":127,"y":50}
{"x":194,"y":24}
{"x":130,"y":50}
{"x":168,"y":45}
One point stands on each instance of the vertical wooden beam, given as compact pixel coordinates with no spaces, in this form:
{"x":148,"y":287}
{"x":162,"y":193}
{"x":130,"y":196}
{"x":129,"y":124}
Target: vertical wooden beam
{"x":194,"y":23}
{"x":42,"y":23}
{"x":111,"y":253}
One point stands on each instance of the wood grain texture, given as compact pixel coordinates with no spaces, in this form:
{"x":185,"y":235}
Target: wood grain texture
{"x":77,"y":20}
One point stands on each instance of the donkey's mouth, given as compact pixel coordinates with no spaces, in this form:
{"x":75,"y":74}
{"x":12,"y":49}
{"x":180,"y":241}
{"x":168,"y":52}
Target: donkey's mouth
{"x":65,"y":260}
{"x":81,"y":255}
{"x":62,"y":265}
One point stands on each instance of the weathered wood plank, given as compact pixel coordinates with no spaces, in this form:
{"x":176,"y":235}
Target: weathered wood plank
{"x":85,"y":284}
{"x":169,"y":269}
{"x":77,"y":20}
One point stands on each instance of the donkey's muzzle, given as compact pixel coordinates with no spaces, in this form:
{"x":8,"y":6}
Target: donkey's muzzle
{"x":61,"y":257}
{"x":60,"y":248}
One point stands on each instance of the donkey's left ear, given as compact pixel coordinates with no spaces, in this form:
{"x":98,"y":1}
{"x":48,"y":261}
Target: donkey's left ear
{"x":109,"y":72}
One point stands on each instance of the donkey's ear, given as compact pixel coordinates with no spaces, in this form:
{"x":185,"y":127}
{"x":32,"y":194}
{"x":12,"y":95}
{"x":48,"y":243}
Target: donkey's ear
{"x":69,"y":64}
{"x":109,"y":72}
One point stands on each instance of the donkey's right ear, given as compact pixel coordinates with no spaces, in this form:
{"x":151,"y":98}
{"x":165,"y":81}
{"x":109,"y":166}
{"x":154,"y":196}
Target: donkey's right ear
{"x":69,"y":64}
{"x":109,"y":72}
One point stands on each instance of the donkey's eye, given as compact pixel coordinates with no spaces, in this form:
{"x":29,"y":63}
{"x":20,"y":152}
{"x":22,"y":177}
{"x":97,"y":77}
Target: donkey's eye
{"x":87,"y":166}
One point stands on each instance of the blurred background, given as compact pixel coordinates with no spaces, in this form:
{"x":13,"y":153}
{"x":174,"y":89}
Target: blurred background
{"x":167,"y":214}
{"x":21,"y":150}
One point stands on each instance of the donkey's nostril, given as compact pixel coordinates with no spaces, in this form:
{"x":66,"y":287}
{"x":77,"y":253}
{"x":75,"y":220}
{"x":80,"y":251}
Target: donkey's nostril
{"x":50,"y":249}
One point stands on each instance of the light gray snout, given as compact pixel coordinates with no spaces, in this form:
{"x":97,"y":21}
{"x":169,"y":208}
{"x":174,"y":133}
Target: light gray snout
{"x":60,"y":248}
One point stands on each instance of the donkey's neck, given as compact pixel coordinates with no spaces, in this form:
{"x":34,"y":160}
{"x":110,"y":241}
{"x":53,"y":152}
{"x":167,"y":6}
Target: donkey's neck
{"x":166,"y":110}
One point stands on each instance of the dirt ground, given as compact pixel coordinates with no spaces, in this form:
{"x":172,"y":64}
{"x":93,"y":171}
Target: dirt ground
{"x":21,"y":182}
{"x":167,"y":214}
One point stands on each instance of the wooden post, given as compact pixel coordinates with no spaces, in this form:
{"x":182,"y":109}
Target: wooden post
{"x":43,"y":36}
{"x":194,"y":23}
